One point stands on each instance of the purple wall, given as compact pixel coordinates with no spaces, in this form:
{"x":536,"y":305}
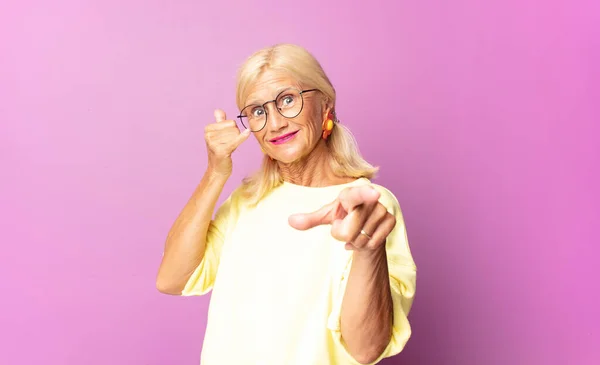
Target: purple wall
{"x":484,"y":118}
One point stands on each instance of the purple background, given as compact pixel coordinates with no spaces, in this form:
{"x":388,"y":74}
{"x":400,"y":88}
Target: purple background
{"x":483,"y":116}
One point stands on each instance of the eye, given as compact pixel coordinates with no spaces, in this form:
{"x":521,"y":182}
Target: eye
{"x":258,"y":112}
{"x":287,"y":101}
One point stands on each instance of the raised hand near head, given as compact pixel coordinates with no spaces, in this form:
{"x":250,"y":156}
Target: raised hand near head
{"x":222,"y":138}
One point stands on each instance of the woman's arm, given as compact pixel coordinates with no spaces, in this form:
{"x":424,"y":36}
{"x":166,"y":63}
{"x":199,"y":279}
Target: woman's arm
{"x":186,"y":241}
{"x":367,"y":307}
{"x":368,"y":314}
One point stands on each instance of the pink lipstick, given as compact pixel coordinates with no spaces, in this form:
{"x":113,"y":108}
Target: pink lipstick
{"x":284,"y":138}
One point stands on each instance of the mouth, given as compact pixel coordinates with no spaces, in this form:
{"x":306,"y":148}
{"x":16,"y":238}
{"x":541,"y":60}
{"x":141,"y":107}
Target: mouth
{"x":283,"y":138}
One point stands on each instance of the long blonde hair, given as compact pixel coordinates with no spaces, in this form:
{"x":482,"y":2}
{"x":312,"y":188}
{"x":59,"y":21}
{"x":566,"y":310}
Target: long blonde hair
{"x":297,"y":62}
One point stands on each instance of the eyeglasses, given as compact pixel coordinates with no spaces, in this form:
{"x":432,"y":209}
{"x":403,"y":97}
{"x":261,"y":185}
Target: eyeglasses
{"x":289,"y":104}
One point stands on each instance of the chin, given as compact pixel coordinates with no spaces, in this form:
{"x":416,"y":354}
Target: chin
{"x":288,"y":157}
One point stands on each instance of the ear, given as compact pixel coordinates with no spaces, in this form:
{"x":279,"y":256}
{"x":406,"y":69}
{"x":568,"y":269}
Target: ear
{"x":326,"y":107}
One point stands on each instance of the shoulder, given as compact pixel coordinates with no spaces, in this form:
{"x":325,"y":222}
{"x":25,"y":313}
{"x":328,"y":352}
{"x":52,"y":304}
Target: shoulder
{"x":398,"y":248}
{"x":232,"y":206}
{"x":388,"y":199}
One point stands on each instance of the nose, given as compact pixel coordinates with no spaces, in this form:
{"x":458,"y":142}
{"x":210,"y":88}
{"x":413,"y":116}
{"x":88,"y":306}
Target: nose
{"x":275,"y":121}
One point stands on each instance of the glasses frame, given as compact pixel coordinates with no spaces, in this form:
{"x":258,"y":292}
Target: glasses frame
{"x":301,"y":92}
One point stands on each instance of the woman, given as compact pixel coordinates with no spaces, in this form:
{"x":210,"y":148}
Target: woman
{"x":307,"y":260}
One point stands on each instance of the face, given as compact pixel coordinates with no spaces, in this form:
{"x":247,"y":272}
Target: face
{"x":286,"y":139}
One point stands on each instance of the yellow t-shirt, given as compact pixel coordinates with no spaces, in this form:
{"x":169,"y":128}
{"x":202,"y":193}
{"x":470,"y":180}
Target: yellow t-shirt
{"x":277,"y":292}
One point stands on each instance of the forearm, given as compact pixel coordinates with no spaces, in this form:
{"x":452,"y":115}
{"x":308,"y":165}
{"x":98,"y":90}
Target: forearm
{"x":367,"y":308}
{"x":186,"y":242}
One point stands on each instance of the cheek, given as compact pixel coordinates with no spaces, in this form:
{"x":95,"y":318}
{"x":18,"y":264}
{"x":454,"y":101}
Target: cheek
{"x":312,"y":121}
{"x":311,"y":128}
{"x":260,"y":137}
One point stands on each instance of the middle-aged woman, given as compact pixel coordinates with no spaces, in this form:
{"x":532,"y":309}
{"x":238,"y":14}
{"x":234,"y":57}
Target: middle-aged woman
{"x":308,"y":260}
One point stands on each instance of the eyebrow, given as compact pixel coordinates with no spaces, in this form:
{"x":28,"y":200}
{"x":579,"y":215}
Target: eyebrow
{"x":278,"y":91}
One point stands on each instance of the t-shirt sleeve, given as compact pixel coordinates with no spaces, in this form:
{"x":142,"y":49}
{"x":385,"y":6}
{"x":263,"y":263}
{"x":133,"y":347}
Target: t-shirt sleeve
{"x":402,"y":277}
{"x":202,"y":279}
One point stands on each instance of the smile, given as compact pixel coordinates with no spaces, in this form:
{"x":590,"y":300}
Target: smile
{"x":284,"y":138}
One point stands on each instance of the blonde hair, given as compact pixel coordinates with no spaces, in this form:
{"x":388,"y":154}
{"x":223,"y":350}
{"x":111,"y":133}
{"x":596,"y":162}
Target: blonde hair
{"x":297,"y":62}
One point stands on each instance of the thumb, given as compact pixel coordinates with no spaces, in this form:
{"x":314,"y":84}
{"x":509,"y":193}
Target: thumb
{"x":304,"y":221}
{"x":220,"y":115}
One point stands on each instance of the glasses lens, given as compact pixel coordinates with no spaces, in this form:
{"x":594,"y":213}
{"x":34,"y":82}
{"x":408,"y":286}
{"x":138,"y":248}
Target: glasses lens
{"x":253,"y":117}
{"x":289,"y":103}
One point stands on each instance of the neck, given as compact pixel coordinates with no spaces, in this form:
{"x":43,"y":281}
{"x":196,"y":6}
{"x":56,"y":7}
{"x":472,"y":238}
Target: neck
{"x":312,"y":170}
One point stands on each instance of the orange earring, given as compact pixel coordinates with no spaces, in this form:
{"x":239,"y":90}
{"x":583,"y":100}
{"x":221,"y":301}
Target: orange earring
{"x":328,"y":125}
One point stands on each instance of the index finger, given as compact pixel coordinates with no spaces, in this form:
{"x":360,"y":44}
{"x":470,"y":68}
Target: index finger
{"x":304,"y":221}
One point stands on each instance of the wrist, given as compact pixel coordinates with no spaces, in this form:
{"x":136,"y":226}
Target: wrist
{"x":375,"y":255}
{"x":216,"y":176}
